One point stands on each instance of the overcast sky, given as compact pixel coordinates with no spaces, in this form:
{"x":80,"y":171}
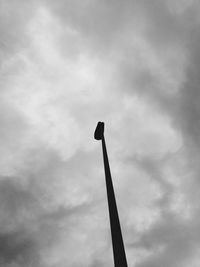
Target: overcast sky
{"x":65,"y":65}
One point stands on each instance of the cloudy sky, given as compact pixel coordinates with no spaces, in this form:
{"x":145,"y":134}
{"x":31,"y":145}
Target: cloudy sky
{"x":65,"y":65}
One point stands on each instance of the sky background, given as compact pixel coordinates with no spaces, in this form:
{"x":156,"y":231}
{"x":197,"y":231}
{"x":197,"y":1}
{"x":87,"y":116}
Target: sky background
{"x":64,"y":66}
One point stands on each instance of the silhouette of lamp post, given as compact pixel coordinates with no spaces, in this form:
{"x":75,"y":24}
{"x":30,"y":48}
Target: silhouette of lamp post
{"x":116,"y":234}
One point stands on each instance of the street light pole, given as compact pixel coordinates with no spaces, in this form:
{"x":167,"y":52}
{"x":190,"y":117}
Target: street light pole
{"x":116,"y":234}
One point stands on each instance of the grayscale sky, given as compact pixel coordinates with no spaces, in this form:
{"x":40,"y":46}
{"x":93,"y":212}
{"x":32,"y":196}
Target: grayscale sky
{"x":65,"y":65}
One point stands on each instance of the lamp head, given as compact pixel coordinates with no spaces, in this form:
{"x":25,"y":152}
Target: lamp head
{"x":98,"y":134}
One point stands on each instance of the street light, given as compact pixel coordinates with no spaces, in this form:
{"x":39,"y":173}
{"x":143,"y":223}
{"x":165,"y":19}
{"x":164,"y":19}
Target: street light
{"x":116,"y":234}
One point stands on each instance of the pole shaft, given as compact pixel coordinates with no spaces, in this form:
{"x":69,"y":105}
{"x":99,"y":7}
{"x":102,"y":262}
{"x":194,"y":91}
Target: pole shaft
{"x":116,"y":234}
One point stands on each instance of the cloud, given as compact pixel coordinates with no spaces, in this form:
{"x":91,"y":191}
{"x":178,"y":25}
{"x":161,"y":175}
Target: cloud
{"x":17,"y":250}
{"x":66,"y":65}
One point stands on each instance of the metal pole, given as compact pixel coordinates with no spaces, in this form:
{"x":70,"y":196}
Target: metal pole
{"x":116,"y":234}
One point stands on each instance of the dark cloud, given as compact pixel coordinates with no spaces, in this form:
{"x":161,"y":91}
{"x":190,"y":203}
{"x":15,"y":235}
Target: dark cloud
{"x":18,"y":246}
{"x":19,"y":249}
{"x":16,"y":204}
{"x":178,"y":241}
